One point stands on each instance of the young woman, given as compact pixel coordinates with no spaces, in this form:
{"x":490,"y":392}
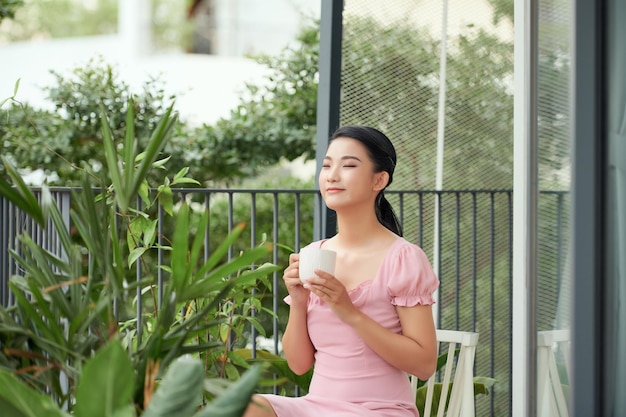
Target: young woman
{"x":368,"y":325}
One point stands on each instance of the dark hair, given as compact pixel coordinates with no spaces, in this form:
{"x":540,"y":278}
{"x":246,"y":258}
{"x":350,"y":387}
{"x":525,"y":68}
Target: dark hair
{"x":383,"y":155}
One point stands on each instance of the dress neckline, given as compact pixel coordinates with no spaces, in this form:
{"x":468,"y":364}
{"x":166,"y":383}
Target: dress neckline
{"x":385,"y":259}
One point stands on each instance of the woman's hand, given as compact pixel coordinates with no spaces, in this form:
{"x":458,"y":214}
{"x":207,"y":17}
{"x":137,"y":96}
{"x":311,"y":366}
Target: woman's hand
{"x":330,"y":290}
{"x":291,"y":276}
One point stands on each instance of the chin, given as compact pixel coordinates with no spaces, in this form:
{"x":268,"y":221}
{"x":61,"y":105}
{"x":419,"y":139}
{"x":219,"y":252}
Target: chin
{"x":333,"y":205}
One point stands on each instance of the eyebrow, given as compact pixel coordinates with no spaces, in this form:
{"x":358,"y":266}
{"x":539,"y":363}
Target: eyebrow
{"x":343,"y":158}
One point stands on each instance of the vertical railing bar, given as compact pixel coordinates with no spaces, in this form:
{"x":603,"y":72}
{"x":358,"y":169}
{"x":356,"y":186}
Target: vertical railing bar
{"x":439,"y":196}
{"x":474,"y":261}
{"x":253,"y":243}
{"x":53,"y":235}
{"x":275,"y":276}
{"x":67,"y":206}
{"x":6,"y":258}
{"x":559,"y":249}
{"x":297,"y":244}
{"x":230,"y":221}
{"x":457,"y":258}
{"x":320,"y":206}
{"x":116,"y":306}
{"x":298,"y":219}
{"x":401,"y":208}
{"x":160,"y":257}
{"x":139,"y":299}
{"x":492,"y":319}
{"x":11,"y":242}
{"x":420,"y":209}
{"x":510,"y":277}
{"x":13,"y":230}
{"x":207,"y":232}
{"x":4,"y":253}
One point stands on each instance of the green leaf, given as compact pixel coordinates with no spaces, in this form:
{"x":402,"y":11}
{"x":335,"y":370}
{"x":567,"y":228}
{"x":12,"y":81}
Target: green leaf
{"x":15,"y":89}
{"x":185,"y":181}
{"x":20,"y":194}
{"x":277,"y":365}
{"x":136,"y":254}
{"x":144,"y":192}
{"x":180,"y":178}
{"x":157,"y":142}
{"x":35,"y":319}
{"x":121,"y":194}
{"x":180,"y":392}
{"x":222,"y":249}
{"x":149,"y":232}
{"x":180,"y":245}
{"x":106,"y":384}
{"x":197,"y":246}
{"x":233,"y":402}
{"x":128,"y":411}
{"x":202,"y":287}
{"x":19,"y":400}
{"x":161,"y":162}
{"x":482,"y":384}
{"x":166,"y":199}
{"x":129,"y":145}
{"x":180,"y":174}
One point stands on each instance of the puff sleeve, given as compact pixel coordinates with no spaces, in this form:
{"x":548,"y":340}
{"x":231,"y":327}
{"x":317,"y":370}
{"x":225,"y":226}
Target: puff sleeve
{"x":411,"y":279}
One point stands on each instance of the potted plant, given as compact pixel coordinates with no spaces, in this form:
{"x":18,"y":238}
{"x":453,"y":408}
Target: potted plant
{"x":68,"y":344}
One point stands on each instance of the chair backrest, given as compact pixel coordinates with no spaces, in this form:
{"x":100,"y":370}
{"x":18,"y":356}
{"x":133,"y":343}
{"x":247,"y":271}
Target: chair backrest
{"x":550,"y":396}
{"x":458,"y":370}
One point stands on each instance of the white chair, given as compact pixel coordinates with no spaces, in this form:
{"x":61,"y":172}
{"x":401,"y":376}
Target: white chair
{"x":550,"y":397}
{"x":462,"y":395}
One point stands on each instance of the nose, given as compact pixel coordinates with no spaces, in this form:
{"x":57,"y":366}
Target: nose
{"x":332,"y":174}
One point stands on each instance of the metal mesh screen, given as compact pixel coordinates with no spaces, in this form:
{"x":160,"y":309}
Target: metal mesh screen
{"x":392,"y":74}
{"x":554,"y":150}
{"x":553,"y":280}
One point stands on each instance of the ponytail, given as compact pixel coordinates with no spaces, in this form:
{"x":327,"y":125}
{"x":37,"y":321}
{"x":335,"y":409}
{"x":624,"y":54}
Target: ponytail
{"x":386,"y":216}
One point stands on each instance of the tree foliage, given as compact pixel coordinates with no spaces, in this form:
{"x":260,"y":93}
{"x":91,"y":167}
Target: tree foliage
{"x":390,"y":72}
{"x":56,"y":19}
{"x":64,"y":141}
{"x":8,"y":8}
{"x":60,"y":19}
{"x":502,"y":9}
{"x":391,"y":80}
{"x":274,"y":122}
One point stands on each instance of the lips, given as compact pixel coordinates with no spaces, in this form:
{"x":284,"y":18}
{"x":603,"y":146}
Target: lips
{"x":334,"y":190}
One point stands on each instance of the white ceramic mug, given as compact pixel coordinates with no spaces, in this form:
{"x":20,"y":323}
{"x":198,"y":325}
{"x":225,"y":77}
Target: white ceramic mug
{"x":316,"y":258}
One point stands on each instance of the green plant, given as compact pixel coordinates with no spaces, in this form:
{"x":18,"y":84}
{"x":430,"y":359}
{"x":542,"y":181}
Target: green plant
{"x":95,"y":303}
{"x":107,"y":386}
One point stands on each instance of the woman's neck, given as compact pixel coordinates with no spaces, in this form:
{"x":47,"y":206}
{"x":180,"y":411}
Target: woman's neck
{"x":359,"y":229}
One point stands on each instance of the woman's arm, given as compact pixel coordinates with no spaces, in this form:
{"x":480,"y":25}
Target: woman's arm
{"x":414,"y":351}
{"x":297,"y":345}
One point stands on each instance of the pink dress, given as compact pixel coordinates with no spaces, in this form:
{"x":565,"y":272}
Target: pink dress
{"x":349,"y":379}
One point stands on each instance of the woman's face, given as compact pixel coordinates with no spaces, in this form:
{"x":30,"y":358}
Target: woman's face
{"x":347,"y":177}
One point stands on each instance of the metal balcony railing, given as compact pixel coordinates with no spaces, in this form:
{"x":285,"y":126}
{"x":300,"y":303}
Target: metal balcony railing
{"x":466,"y":233}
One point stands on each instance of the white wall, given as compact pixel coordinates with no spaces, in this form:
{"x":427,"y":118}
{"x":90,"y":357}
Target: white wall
{"x":207,"y":87}
{"x":253,"y":26}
